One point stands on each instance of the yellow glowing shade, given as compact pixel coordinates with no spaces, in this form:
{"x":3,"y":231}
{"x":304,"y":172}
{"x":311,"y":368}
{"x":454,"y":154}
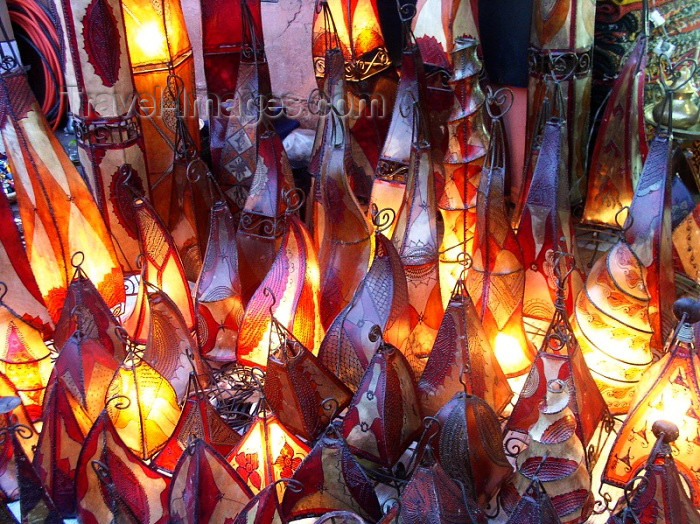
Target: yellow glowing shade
{"x":143,"y":407}
{"x":509,"y":353}
{"x":150,"y":40}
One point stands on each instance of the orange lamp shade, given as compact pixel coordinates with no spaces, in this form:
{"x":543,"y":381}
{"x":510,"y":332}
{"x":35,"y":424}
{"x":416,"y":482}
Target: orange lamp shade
{"x":438,"y":24}
{"x":218,"y":295}
{"x":267,"y":453}
{"x":112,"y":482}
{"x":21,"y":291}
{"x":22,"y":417}
{"x":24,"y":359}
{"x":143,"y":407}
{"x":669,"y":390}
{"x":170,"y":348}
{"x":290,"y":292}
{"x":415,"y":239}
{"x":496,"y":279}
{"x":353,"y":26}
{"x":138,"y":320}
{"x":58,"y":212}
{"x":205,"y":488}
{"x":621,"y":145}
{"x":462,"y":355}
{"x":380,"y":300}
{"x":162,"y":67}
{"x":163,"y":266}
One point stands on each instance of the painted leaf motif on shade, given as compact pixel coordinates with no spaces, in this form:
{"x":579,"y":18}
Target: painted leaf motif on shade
{"x":101,"y":36}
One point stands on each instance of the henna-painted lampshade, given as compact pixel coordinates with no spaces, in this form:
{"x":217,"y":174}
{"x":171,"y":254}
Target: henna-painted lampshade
{"x":353,"y":26}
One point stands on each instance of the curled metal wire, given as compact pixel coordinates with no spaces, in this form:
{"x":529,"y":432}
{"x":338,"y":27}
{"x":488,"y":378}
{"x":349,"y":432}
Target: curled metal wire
{"x":382,"y":218}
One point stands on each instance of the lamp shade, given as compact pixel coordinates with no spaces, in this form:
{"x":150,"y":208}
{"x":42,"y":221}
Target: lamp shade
{"x":533,"y":506}
{"x":205,"y":488}
{"x":416,"y":241}
{"x":462,"y":356}
{"x":290,"y":292}
{"x":21,"y":291}
{"x":353,"y":27}
{"x":298,"y":386}
{"x":58,"y":212}
{"x":111,"y":482}
{"x":218,"y":296}
{"x":381,"y":299}
{"x":391,"y":174}
{"x":145,"y":411}
{"x":163,"y":71}
{"x":170,"y":348}
{"x":496,"y":279}
{"x":198,"y":420}
{"x":101,"y":95}
{"x":621,"y":144}
{"x":57,"y":451}
{"x":332,"y":480}
{"x":469,"y":446}
{"x":261,"y":223}
{"x":557,"y":458}
{"x":267,"y":453}
{"x":438,"y":24}
{"x":163,"y":266}
{"x":19,"y":415}
{"x":384,"y":415}
{"x":668,"y":390}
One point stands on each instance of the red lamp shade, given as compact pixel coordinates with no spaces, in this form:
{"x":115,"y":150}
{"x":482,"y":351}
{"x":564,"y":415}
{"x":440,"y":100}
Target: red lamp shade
{"x":218,"y":295}
{"x":384,"y":415}
{"x":290,"y":292}
{"x":331,"y":479}
{"x":111,"y":482}
{"x":205,"y":488}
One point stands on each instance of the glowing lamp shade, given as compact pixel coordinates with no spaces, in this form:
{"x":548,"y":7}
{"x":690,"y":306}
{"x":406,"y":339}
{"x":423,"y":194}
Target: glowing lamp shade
{"x":112,"y":482}
{"x":24,"y":359}
{"x":267,"y":453}
{"x":144,"y":409}
{"x":353,"y":26}
{"x":669,"y":390}
{"x":290,"y":292}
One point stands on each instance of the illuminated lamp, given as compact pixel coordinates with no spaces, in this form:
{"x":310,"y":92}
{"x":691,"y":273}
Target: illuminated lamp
{"x":668,"y":390}
{"x":162,"y":67}
{"x":198,"y":419}
{"x":546,"y":228}
{"x":267,"y":453}
{"x":24,"y":358}
{"x":416,"y":241}
{"x":162,"y":266}
{"x":462,"y":359}
{"x":18,"y":415}
{"x":112,"y":483}
{"x":353,"y":26}
{"x":218,"y":295}
{"x":496,"y":279}
{"x":142,"y":406}
{"x":290,"y":293}
{"x":621,"y":144}
{"x":381,"y":299}
{"x":204,"y":488}
{"x":58,"y":212}
{"x":438,"y":25}
{"x":261,"y":223}
{"x":170,"y":347}
{"x":623,"y":314}
{"x":108,"y":130}
{"x":22,"y":293}
{"x":264,"y":507}
{"x":467,"y":143}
